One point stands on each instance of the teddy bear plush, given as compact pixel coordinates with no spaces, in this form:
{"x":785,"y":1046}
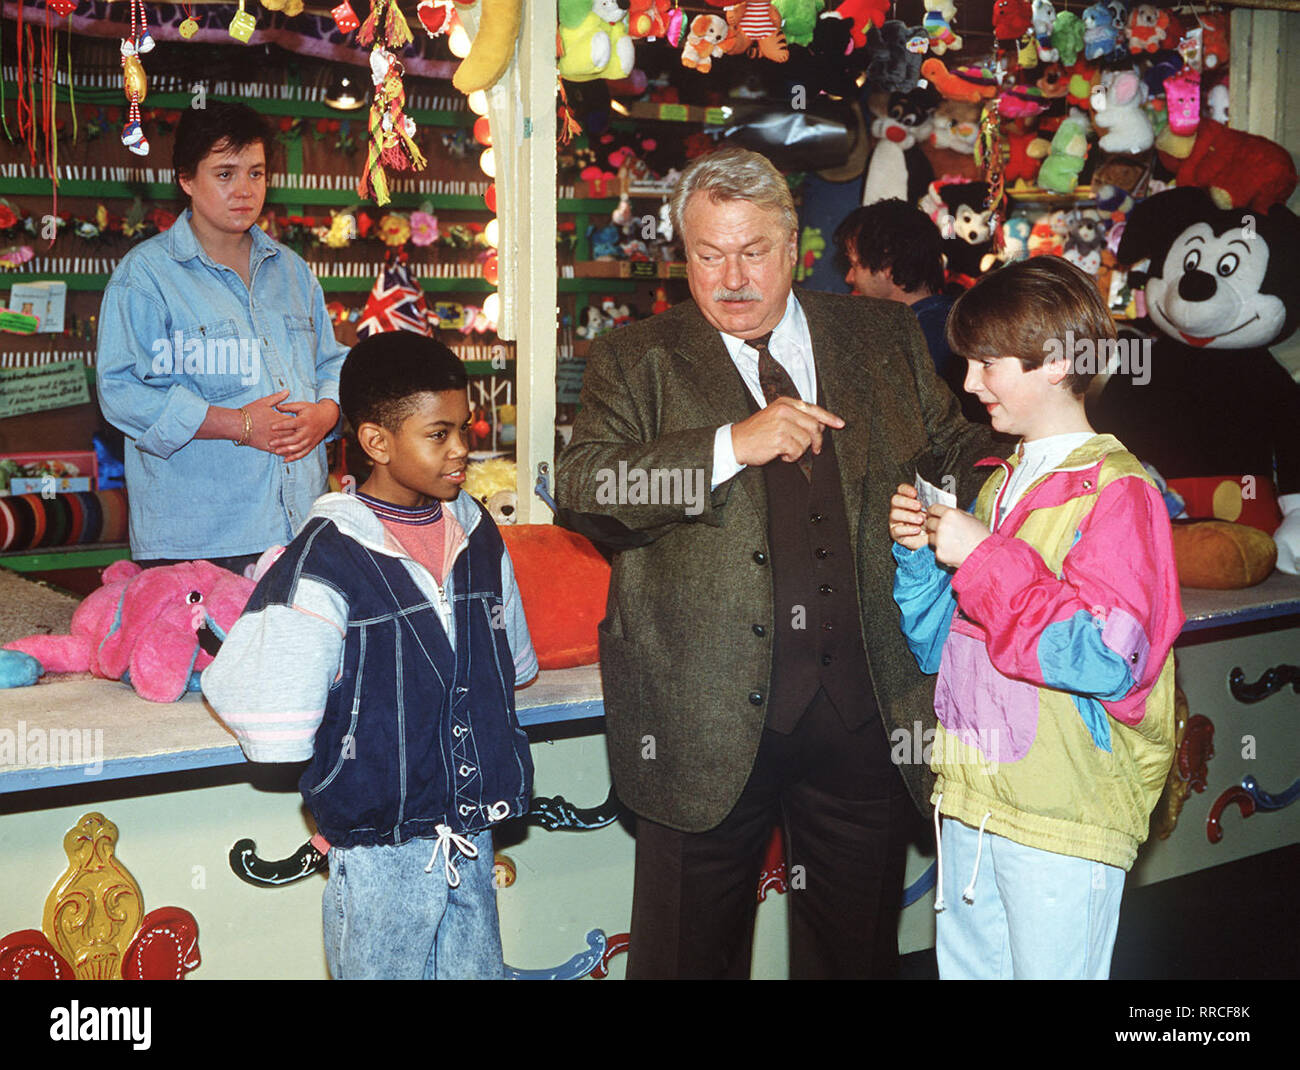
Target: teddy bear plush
{"x":156,"y":629}
{"x":594,"y":41}
{"x":1210,"y":407}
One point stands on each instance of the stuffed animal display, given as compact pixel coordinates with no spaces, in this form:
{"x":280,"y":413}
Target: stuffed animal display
{"x":898,"y":167}
{"x":1210,"y":407}
{"x":1117,"y":109}
{"x":594,"y":40}
{"x":156,"y":628}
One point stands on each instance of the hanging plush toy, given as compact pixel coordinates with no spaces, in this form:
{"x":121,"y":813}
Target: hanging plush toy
{"x":1213,"y":410}
{"x":1148,"y":29}
{"x":1239,"y":170}
{"x":756,"y":26}
{"x":493,"y":47}
{"x":1067,"y":36}
{"x":1059,"y":173}
{"x":709,"y":38}
{"x":1011,"y":18}
{"x":798,"y":19}
{"x":1044,"y":16}
{"x":1098,"y":32}
{"x":594,"y":42}
{"x":891,"y":65}
{"x":939,"y":15}
{"x":864,"y":14}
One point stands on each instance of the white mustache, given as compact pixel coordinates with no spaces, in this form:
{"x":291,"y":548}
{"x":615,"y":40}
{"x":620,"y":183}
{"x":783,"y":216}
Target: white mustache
{"x":745,"y":293}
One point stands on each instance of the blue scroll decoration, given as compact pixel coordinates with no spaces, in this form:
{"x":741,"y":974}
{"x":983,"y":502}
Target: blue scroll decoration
{"x":1265,"y":801}
{"x":577,"y":967}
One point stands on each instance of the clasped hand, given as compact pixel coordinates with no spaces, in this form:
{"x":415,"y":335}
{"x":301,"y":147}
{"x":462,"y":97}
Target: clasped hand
{"x":295,"y":436}
{"x":951,"y":532}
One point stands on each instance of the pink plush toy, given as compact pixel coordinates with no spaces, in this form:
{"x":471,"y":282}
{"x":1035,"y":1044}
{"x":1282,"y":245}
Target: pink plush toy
{"x":153,"y":628}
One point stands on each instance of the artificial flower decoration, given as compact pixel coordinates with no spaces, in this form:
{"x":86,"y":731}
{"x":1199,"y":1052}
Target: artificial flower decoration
{"x":424,"y":228}
{"x":8,"y":217}
{"x":340,"y":232}
{"x":394,"y":229}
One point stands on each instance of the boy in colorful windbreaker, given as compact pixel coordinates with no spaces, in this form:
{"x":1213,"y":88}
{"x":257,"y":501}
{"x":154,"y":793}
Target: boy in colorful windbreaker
{"x":384,"y":645}
{"x":1052,"y":639}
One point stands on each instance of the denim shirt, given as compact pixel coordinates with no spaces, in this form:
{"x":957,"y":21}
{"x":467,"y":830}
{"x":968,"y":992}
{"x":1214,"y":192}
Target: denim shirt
{"x":179,"y":332}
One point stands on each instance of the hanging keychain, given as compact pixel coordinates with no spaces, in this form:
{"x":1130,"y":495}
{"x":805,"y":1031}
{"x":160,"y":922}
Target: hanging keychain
{"x":134,"y":83}
{"x":188,"y":27}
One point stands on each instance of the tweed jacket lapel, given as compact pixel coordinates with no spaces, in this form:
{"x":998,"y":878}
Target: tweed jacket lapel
{"x":700,"y":357}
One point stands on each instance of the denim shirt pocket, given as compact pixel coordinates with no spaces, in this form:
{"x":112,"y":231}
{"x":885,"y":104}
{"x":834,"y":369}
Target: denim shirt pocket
{"x":208,"y":358}
{"x":301,"y":332}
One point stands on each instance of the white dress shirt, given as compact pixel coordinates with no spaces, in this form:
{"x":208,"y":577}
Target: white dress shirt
{"x":791,"y":347}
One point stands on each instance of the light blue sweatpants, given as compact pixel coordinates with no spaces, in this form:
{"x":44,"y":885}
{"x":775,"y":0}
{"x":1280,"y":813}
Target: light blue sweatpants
{"x":1035,"y":915}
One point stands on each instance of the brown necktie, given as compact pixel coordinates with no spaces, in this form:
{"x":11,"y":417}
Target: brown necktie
{"x":775,"y":382}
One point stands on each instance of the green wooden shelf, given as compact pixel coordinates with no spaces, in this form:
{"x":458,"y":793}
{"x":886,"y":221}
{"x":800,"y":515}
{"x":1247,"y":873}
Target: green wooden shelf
{"x":53,"y":558}
{"x":308,"y":109}
{"x":165,"y":191}
{"x":360,"y":284}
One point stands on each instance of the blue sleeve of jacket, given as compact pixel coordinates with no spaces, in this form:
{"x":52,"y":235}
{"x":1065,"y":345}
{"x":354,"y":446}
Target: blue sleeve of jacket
{"x":924,"y":595}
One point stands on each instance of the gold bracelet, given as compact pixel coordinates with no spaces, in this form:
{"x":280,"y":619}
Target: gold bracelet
{"x":248,"y":427}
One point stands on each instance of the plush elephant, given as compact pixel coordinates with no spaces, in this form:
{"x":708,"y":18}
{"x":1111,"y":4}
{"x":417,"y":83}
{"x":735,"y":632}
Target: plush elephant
{"x":156,"y":629}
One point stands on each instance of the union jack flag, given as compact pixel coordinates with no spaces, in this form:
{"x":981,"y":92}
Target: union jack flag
{"x":396,"y":303}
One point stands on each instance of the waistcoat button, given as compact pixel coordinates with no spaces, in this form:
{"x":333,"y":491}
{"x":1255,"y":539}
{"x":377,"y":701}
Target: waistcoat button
{"x":759,"y":630}
{"x":760,"y":558}
{"x":756,"y":698}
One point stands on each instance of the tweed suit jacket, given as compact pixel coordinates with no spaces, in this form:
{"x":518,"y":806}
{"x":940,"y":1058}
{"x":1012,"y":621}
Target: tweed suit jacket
{"x":681,"y":664}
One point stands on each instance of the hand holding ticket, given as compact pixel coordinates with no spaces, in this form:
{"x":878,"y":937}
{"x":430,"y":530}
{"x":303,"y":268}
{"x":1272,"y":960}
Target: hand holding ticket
{"x":929,"y":494}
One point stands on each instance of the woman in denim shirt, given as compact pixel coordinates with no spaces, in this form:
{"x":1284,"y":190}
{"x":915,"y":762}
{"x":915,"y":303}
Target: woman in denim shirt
{"x":218,"y":361}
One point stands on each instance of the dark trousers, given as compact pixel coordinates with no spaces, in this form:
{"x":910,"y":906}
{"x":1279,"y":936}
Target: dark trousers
{"x":842,"y":806}
{"x":230,"y":564}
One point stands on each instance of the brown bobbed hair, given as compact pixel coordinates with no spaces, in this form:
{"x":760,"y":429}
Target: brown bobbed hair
{"x":1021,"y":309}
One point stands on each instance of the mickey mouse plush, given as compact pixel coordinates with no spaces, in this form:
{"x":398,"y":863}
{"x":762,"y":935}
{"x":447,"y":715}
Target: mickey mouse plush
{"x":1218,"y":412}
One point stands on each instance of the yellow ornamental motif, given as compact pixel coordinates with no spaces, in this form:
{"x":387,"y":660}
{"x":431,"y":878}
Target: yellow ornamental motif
{"x":96,"y":907}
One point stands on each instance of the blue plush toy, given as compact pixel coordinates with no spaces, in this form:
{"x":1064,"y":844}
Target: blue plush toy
{"x":1098,"y":32}
{"x":18,"y":669}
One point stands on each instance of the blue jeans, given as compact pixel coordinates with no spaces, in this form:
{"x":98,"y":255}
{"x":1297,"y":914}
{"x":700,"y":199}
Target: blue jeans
{"x":387,"y":919}
{"x":1035,"y":915}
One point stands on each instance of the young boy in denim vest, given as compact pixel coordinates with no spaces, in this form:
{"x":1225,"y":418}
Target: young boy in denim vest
{"x":384,"y":646}
{"x":1052,"y":639}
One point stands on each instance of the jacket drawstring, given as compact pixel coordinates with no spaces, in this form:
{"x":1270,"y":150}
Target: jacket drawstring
{"x":938,"y":859}
{"x":446,"y":840}
{"x":969,"y":893}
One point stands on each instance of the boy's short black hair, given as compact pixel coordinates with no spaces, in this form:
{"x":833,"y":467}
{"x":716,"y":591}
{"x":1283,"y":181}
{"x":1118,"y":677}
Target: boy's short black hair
{"x":1028,"y":309}
{"x":228,"y":125}
{"x":384,"y":374}
{"x":897,"y":236}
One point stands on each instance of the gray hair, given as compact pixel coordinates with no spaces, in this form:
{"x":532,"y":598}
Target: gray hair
{"x":734,"y":174}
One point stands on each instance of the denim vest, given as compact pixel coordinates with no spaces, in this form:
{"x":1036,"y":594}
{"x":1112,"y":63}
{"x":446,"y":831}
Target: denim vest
{"x":417,"y":732}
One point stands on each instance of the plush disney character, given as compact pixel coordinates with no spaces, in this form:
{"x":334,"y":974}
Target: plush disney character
{"x":155,"y":629}
{"x":709,"y":38}
{"x":939,"y":15}
{"x":594,"y":40}
{"x":1117,"y":110}
{"x":958,"y":208}
{"x":1214,"y":412}
{"x":898,"y":167}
